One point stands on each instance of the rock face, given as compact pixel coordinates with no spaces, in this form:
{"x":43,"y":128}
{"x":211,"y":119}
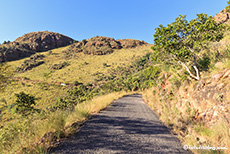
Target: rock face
{"x":30,"y":43}
{"x":222,"y":17}
{"x":96,"y":46}
{"x":208,"y":100}
{"x":100,"y":45}
{"x":131,"y":43}
{"x":44,"y":40}
{"x":14,"y":51}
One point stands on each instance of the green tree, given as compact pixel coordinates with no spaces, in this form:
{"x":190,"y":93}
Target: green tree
{"x":181,"y":41}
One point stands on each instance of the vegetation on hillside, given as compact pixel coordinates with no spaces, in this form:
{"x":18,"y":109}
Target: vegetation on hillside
{"x":186,"y":53}
{"x":68,"y":83}
{"x":35,"y":96}
{"x":183,"y":41}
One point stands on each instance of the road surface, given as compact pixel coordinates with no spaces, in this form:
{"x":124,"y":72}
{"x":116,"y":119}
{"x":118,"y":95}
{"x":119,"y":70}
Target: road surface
{"x":126,"y":126}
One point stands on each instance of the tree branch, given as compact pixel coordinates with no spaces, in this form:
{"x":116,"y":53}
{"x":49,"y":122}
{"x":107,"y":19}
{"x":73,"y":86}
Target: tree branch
{"x":194,"y":64}
{"x":187,"y":69}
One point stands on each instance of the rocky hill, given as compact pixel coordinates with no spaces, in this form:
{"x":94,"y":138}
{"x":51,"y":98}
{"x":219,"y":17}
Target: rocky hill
{"x":44,"y":40}
{"x":100,"y":45}
{"x":33,"y":42}
{"x":30,"y":43}
{"x":222,"y":17}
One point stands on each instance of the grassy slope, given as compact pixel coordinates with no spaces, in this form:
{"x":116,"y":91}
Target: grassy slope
{"x":78,"y":69}
{"x":49,"y":87}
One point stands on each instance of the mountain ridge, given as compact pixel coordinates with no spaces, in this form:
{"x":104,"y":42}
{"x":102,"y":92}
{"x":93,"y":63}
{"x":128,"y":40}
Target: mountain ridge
{"x":41,"y":41}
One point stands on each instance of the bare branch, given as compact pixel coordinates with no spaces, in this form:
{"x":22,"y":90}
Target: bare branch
{"x":187,"y":69}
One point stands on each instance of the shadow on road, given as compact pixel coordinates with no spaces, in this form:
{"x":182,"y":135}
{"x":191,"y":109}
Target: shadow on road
{"x":123,"y":129}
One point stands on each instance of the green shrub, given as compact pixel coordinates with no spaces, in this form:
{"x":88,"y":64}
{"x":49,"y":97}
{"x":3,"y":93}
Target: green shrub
{"x":25,"y":103}
{"x":204,"y":63}
{"x":59,"y":66}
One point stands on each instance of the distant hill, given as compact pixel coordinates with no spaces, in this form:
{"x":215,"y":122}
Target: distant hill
{"x":30,"y":43}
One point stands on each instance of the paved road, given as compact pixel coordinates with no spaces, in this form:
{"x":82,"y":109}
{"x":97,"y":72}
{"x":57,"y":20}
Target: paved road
{"x":127,"y":126}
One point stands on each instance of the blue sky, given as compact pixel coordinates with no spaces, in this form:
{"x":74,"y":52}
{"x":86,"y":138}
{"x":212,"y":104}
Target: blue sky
{"x":83,"y":19}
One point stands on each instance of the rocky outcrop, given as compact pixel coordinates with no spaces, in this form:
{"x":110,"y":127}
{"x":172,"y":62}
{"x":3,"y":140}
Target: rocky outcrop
{"x":207,"y":101}
{"x":29,"y":64}
{"x":31,"y":43}
{"x":95,"y":46}
{"x":44,"y":40}
{"x":14,"y":51}
{"x":222,"y":17}
{"x":131,"y":43}
{"x":100,"y":45}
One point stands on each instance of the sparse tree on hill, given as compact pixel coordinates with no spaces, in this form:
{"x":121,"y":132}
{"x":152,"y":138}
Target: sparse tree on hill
{"x":181,"y":41}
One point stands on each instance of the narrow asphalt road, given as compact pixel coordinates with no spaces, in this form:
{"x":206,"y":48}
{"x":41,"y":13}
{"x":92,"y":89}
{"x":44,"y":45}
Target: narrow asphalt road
{"x":126,"y":126}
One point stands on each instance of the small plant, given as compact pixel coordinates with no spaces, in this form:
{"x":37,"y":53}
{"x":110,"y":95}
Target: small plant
{"x":50,"y":52}
{"x":104,"y":64}
{"x":6,"y":42}
{"x":76,"y":83}
{"x":84,"y":41}
{"x":24,"y":103}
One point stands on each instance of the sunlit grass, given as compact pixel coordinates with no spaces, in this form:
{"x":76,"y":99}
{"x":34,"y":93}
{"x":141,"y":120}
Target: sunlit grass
{"x":82,"y":67}
{"x":29,"y":133}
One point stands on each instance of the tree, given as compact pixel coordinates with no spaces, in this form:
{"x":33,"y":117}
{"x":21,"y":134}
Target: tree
{"x":181,"y":41}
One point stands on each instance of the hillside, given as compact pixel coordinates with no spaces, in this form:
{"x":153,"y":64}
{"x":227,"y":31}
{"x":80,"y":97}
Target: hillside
{"x":33,"y":42}
{"x":71,"y":80}
{"x":197,"y":110}
{"x":59,"y":81}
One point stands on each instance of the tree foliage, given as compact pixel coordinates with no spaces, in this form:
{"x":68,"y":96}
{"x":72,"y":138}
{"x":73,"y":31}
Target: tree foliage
{"x":182,"y":41}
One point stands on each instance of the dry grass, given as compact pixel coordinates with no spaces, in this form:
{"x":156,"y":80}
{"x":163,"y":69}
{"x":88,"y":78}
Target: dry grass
{"x":59,"y":123}
{"x":190,"y":132}
{"x":44,"y":84}
{"x":82,"y":69}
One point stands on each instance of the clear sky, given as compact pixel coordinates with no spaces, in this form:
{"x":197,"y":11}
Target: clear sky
{"x":83,"y":19}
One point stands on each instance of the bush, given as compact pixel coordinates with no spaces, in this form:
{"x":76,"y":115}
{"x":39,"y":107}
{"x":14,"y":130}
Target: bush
{"x":60,"y":65}
{"x":25,"y":103}
{"x":29,"y":64}
{"x":204,"y":63}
